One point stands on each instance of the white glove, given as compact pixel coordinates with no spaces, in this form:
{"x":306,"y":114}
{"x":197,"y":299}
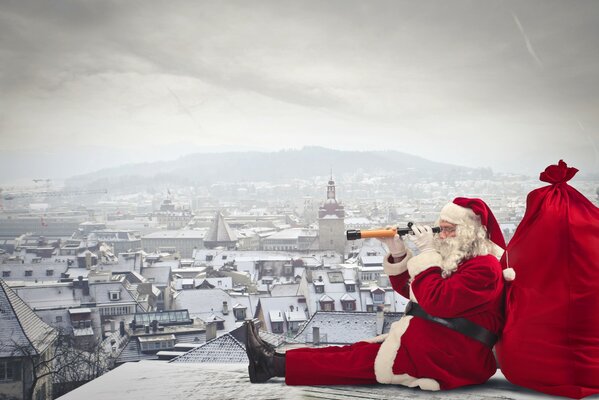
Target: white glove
{"x":423,"y":238}
{"x":395,"y":244}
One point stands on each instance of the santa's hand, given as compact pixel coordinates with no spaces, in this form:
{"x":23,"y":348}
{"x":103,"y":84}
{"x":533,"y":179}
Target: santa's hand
{"x":423,"y":238}
{"x":395,"y":245}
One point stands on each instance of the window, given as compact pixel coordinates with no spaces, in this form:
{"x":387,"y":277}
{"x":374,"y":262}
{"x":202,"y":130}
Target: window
{"x":277,"y":327}
{"x":5,"y":274}
{"x":28,"y":272}
{"x":114,"y":295}
{"x":327,"y":306}
{"x":239,"y":314}
{"x":49,"y":272}
{"x":58,"y":318}
{"x":348,"y":305}
{"x":350,"y":288}
{"x":378,"y":297}
{"x":10,"y":371}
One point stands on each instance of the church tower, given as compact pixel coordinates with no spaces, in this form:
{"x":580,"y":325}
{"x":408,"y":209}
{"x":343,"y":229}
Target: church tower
{"x":331,"y":222}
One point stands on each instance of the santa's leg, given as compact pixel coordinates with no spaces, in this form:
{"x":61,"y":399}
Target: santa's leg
{"x":345,"y":365}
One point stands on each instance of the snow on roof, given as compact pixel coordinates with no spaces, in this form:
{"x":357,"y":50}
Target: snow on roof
{"x":276,"y":316}
{"x":21,"y":326}
{"x":295,"y":316}
{"x":177,"y":381}
{"x":73,"y":311}
{"x":83,"y":332}
{"x":176,"y":234}
{"x":223,"y":349}
{"x":340,"y":327}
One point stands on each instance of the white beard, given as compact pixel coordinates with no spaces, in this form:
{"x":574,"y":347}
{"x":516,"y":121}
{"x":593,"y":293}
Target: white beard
{"x":453,"y":251}
{"x":469,"y":242}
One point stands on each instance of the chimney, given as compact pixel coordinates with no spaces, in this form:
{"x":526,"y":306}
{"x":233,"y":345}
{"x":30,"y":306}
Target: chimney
{"x":380,"y":320}
{"x":315,"y":335}
{"x":225,"y":308}
{"x":147,"y":328}
{"x":154,"y":324}
{"x":122,"y":328}
{"x":210,"y":330}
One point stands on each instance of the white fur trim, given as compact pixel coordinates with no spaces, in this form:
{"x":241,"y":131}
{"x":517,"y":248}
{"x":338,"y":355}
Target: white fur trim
{"x":424,"y":261}
{"x":385,"y":358}
{"x":455,"y":214}
{"x":509,"y":274}
{"x":496,"y":250}
{"x":376,"y":339}
{"x":392,"y":269}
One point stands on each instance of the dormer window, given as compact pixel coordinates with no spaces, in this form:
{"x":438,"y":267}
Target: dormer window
{"x":239,"y":313}
{"x":378,"y":296}
{"x":5,"y":274}
{"x":115,"y":295}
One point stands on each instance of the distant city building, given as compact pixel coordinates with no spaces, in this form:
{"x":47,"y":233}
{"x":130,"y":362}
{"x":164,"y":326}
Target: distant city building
{"x":293,"y":239}
{"x":122,"y":241}
{"x":220,"y":234}
{"x":182,"y":241}
{"x":331,"y":224}
{"x":171,"y":217}
{"x":48,"y":224}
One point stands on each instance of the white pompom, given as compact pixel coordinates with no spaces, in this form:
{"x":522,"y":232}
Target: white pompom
{"x":509,"y":274}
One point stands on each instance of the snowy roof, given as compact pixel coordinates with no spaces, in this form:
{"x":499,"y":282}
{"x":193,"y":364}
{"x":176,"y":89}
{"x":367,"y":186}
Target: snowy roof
{"x":340,"y":327}
{"x":180,"y":381}
{"x":220,"y":231}
{"x":176,"y":234}
{"x":295,"y":316}
{"x":20,"y":325}
{"x":372,"y":260}
{"x":347,"y":297}
{"x":223,"y":349}
{"x":276,"y":316}
{"x":79,"y":311}
{"x":157,"y":274}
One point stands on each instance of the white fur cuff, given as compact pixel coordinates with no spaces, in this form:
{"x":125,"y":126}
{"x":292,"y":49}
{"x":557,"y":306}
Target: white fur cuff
{"x":376,"y":339}
{"x":392,"y":269}
{"x":424,"y":261}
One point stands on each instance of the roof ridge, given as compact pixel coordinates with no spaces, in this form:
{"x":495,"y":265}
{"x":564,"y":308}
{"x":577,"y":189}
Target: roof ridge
{"x":11,"y":297}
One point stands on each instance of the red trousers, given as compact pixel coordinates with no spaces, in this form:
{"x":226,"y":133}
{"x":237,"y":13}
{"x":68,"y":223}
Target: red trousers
{"x":347,"y":365}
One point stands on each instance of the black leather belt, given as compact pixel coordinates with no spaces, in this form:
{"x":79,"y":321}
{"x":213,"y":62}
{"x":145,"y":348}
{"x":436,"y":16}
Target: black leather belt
{"x":462,"y":325}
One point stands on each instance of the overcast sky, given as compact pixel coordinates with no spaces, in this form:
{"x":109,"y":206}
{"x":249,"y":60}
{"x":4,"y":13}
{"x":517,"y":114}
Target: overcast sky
{"x":508,"y":84}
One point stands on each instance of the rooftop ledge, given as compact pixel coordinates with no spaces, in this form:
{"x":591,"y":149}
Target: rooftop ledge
{"x":146,"y":380}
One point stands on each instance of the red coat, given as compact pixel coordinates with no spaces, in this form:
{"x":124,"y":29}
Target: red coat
{"x":422,"y":353}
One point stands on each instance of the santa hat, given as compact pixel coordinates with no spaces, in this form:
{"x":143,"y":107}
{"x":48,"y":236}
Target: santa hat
{"x":465,"y":211}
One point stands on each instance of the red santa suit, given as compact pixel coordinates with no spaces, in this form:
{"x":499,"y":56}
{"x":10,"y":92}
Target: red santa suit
{"x":418,"y":352}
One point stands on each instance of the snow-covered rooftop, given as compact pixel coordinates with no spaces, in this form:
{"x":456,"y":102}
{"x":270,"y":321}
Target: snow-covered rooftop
{"x":181,"y":381}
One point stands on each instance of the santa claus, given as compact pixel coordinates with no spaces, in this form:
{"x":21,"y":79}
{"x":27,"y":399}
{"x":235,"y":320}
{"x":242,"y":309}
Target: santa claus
{"x":444,"y":340}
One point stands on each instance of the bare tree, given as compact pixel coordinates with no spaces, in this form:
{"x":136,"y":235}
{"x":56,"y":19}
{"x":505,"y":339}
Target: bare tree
{"x":69,"y":367}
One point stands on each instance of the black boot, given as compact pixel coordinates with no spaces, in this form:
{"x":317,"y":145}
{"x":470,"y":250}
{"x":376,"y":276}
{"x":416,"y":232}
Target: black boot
{"x":261,"y":357}
{"x":256,"y":334}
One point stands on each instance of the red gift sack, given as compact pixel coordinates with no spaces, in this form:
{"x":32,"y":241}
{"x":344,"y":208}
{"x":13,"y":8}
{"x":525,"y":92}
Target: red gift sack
{"x":550,"y":342}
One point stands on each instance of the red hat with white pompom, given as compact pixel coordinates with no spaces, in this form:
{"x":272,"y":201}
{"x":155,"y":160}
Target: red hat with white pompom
{"x":466,"y":211}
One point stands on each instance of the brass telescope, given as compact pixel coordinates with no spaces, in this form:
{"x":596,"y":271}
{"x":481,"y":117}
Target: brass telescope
{"x":355,"y":234}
